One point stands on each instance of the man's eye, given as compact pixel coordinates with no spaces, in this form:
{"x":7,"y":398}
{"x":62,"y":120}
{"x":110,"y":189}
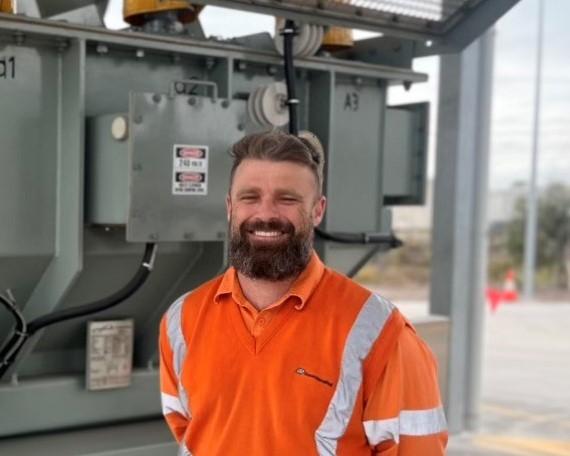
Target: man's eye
{"x":248,"y":198}
{"x":289,"y":199}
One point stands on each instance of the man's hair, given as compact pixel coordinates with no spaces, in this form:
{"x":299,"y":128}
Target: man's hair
{"x":277,"y":146}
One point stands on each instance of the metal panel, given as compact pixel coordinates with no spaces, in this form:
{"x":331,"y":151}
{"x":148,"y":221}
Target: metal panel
{"x":405,"y":154}
{"x":158,"y":123}
{"x":28,"y":137}
{"x":354,"y":170}
{"x":107,"y":87}
{"x":341,"y":111}
{"x":107,"y":183}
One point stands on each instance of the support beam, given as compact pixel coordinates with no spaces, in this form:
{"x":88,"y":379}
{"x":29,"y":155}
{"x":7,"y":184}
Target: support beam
{"x":459,"y":221}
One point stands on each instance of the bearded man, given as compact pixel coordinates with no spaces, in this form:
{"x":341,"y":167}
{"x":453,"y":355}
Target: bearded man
{"x":281,"y":355}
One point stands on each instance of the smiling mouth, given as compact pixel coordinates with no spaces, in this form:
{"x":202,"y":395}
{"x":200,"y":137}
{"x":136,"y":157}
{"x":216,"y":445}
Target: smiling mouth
{"x":267,"y":234}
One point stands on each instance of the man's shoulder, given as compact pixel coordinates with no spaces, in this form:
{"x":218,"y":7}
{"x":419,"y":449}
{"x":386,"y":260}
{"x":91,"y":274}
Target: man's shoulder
{"x":334,"y":280}
{"x":337,"y":280}
{"x":343,"y":287}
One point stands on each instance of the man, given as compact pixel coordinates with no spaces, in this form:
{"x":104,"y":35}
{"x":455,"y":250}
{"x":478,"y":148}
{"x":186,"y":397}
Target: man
{"x":281,"y":355}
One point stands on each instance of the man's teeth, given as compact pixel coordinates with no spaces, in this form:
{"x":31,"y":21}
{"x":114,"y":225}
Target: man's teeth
{"x":267,"y":233}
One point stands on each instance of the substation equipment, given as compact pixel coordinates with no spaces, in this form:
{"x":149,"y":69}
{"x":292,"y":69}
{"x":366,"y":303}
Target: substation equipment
{"x":113,"y":139}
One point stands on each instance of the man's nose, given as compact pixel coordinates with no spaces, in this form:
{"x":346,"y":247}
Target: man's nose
{"x":267,"y":209}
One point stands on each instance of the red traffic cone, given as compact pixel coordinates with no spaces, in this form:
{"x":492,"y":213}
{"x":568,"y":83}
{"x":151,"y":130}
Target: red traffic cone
{"x":494,"y":297}
{"x":510,"y":293}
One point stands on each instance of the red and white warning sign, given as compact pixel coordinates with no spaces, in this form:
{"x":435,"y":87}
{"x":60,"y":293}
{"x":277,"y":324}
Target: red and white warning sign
{"x":190,"y":170}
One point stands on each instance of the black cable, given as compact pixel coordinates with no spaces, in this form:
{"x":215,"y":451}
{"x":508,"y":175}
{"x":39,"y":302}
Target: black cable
{"x":288,"y":33}
{"x":360,"y":238}
{"x":20,"y":330}
{"x":16,"y":342}
{"x":365,"y":259}
{"x":11,"y":306}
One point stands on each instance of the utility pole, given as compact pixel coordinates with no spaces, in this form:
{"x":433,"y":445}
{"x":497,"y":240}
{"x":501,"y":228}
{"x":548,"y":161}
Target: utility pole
{"x":532,"y":201}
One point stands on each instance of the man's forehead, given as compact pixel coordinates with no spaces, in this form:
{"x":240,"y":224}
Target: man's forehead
{"x":262,"y":168}
{"x":274,"y":173}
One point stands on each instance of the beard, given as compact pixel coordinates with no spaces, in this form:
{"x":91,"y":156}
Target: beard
{"x":273,"y":260}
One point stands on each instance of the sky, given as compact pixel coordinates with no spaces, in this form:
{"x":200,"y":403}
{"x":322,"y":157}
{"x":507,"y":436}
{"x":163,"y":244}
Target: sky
{"x":513,"y":86}
{"x":514,"y":95}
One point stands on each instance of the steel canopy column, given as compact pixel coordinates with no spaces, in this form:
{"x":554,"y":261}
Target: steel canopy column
{"x":459,"y":221}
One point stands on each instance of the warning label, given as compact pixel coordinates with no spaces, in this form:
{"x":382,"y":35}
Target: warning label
{"x":109,"y":354}
{"x":190,"y":170}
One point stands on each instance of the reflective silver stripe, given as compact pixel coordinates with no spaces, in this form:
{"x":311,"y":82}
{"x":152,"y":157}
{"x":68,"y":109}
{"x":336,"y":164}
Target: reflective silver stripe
{"x":410,"y":422}
{"x":183,"y":451}
{"x":171,"y":404}
{"x":178,"y":345}
{"x":363,"y":334}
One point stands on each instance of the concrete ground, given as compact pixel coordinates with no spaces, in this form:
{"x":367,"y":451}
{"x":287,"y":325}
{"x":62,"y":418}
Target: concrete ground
{"x":525,"y":407}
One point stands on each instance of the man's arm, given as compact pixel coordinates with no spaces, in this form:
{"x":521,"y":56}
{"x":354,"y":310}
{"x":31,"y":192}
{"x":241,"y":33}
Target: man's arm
{"x":403,"y":415}
{"x":172,"y":408}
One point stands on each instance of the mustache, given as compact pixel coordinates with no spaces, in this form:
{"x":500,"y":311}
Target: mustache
{"x":267,"y":225}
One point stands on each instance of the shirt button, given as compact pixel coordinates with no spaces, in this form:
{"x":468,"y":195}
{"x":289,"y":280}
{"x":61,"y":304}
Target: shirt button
{"x":262,"y":321}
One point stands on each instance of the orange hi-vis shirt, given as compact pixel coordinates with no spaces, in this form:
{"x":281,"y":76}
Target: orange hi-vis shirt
{"x":336,"y":370}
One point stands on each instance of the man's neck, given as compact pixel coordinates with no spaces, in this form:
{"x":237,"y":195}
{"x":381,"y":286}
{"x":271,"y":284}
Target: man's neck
{"x":262,"y":293}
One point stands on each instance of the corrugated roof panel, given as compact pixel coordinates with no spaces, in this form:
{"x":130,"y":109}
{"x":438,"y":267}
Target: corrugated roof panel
{"x":431,"y":10}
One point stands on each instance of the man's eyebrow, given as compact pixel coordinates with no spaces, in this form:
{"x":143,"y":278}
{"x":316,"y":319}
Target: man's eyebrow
{"x":288,"y":192}
{"x":247,"y":190}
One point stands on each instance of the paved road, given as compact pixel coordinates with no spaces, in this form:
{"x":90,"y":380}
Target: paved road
{"x":526,"y":384}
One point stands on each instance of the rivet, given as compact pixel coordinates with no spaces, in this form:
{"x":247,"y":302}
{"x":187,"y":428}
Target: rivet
{"x":102,"y":49}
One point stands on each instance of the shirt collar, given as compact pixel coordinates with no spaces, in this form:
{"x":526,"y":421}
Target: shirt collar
{"x":302,"y":288}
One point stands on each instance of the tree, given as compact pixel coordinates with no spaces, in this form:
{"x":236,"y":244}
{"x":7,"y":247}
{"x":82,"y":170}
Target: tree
{"x":553,"y":231}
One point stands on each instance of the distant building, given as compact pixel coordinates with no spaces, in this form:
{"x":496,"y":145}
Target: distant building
{"x":414,"y":219}
{"x":502,"y":203}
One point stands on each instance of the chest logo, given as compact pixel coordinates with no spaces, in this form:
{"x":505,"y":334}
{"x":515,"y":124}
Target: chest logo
{"x":302,"y":371}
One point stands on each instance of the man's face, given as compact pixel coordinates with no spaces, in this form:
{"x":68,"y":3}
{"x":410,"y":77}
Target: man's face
{"x":272,"y":209}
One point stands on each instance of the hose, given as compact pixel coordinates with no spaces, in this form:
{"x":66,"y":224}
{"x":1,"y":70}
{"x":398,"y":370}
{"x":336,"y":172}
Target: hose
{"x":360,"y":238}
{"x":20,"y":330}
{"x":19,"y":337}
{"x":365,"y":259}
{"x":288,"y":33}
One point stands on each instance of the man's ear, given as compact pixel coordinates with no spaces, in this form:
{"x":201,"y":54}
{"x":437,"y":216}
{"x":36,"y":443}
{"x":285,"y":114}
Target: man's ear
{"x":228,"y":206}
{"x":319,"y":210}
